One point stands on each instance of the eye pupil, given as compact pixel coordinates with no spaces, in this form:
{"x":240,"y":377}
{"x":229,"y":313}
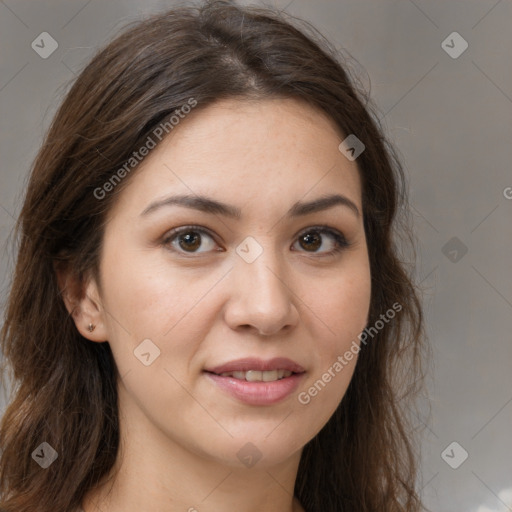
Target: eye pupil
{"x":188,"y":237}
{"x":312,"y":237}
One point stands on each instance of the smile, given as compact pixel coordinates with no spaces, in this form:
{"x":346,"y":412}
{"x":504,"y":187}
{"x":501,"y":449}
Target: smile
{"x":258,"y":376}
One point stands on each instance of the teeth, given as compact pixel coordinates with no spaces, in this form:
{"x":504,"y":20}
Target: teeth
{"x":258,"y":376}
{"x":254,"y":375}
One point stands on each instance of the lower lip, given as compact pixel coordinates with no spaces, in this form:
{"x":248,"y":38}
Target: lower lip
{"x":258,"y":393}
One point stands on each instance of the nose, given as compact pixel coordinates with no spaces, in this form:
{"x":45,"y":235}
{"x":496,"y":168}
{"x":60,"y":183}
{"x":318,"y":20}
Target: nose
{"x":262,"y":297}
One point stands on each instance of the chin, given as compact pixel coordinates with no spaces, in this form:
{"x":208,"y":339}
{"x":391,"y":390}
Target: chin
{"x":258,"y":449}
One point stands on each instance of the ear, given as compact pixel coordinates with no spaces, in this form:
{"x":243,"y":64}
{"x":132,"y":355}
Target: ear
{"x":82,"y":300}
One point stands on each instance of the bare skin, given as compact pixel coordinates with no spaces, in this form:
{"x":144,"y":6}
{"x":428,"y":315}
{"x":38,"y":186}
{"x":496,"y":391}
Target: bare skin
{"x":202,"y":304}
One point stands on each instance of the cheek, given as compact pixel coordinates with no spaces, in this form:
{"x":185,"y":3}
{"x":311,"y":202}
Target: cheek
{"x":148,"y":294}
{"x":341,"y":305}
{"x":341,"y":309}
{"x":150,"y":299}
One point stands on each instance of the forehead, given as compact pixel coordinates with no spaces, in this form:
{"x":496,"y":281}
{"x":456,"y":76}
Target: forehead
{"x":244,"y":151}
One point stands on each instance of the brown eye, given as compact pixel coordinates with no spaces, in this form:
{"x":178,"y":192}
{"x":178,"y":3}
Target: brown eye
{"x":188,"y":239}
{"x":313,"y":239}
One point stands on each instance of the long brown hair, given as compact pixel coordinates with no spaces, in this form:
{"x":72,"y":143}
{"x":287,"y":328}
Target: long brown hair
{"x":64,"y":393}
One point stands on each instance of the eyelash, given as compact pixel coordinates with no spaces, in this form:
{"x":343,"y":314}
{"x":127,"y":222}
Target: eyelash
{"x":339,"y":238}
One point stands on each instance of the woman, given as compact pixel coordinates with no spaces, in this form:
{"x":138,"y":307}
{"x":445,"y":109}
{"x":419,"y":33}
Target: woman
{"x":209,"y":311}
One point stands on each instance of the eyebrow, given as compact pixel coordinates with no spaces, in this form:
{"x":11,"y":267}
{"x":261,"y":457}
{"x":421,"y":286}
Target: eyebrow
{"x":212,"y":206}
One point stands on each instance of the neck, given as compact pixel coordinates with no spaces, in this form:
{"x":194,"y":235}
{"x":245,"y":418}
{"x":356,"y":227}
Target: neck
{"x":154,"y":472}
{"x":194,"y":486}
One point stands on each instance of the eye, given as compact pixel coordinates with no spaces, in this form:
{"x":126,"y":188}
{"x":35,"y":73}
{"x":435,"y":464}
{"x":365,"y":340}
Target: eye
{"x":188,"y":238}
{"x":312,"y":239}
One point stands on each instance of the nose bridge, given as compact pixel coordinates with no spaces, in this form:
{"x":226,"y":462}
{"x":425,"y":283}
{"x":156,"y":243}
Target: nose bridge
{"x":262,"y":296}
{"x":262,"y":268}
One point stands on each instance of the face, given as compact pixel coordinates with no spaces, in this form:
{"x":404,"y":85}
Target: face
{"x":254,"y":296}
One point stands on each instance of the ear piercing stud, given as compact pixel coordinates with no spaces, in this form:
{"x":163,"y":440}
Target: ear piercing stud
{"x":91,"y":327}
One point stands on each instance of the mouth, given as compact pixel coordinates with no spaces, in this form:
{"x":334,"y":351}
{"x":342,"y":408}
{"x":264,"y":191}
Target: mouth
{"x":257,"y":382}
{"x":257,"y":376}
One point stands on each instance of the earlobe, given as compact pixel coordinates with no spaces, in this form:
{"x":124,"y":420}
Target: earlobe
{"x":82,"y":302}
{"x":90,"y":320}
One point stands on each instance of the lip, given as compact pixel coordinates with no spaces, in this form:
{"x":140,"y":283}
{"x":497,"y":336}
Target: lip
{"x":253,"y":363}
{"x":257,"y":393}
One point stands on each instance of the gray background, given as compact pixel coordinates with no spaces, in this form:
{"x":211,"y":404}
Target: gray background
{"x":451,"y":121}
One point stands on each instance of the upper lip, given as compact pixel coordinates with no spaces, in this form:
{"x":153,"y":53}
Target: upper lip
{"x":253,"y":363}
